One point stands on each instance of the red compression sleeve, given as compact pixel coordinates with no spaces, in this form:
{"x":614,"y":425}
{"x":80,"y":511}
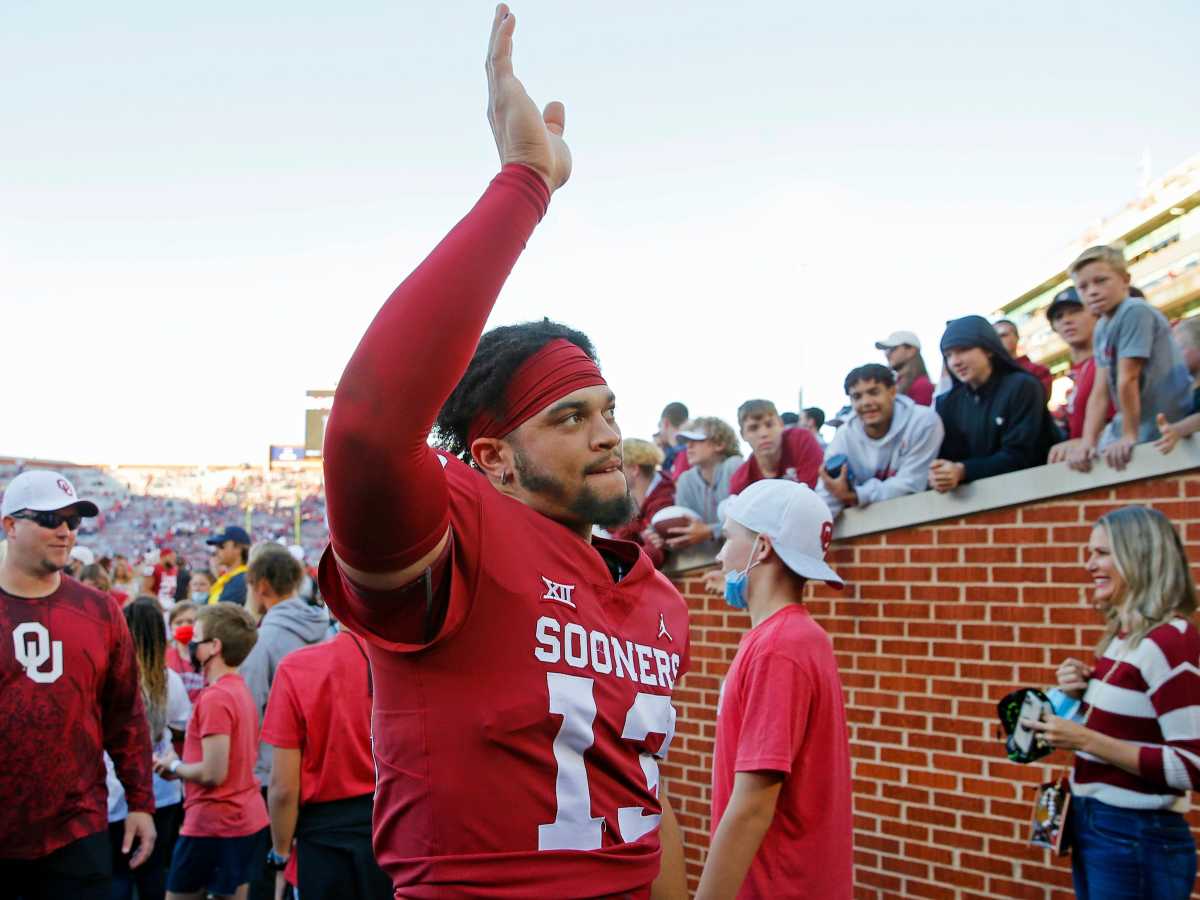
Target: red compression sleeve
{"x":386,"y":493}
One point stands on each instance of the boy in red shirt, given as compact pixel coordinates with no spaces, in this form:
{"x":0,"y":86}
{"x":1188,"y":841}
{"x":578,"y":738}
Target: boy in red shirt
{"x":777,"y":452}
{"x":223,"y":810}
{"x":781,"y":814}
{"x":322,"y":788}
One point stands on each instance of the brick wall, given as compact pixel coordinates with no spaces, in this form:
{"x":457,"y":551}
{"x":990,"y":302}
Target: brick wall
{"x":936,"y":624}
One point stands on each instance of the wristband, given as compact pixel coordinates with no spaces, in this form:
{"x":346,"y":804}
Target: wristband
{"x":275,"y":862}
{"x":174,"y":766}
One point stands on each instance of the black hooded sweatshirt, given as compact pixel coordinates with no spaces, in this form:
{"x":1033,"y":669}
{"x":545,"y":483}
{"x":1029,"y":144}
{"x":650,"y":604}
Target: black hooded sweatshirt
{"x":1004,"y":425}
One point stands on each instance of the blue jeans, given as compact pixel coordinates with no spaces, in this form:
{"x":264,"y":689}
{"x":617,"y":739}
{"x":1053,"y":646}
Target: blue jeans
{"x":1130,"y":853}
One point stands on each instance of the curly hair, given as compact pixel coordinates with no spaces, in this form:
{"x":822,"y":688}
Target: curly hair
{"x":720,"y":433}
{"x":499,"y":354}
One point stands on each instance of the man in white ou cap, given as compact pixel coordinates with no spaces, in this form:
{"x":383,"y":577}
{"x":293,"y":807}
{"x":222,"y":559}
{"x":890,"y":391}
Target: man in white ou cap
{"x":781,"y":814}
{"x":69,"y":690}
{"x":903,"y":352}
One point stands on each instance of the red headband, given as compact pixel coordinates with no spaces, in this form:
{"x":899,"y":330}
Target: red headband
{"x":558,"y":369}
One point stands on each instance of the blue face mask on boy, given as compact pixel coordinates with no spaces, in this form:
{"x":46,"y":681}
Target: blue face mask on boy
{"x":735,"y":582}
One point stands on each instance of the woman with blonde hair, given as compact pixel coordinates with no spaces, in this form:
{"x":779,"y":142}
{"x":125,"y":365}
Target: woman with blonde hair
{"x":651,"y":490}
{"x":1137,"y":752}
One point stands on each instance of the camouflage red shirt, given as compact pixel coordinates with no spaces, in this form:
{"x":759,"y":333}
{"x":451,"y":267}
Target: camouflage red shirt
{"x":68,"y":691}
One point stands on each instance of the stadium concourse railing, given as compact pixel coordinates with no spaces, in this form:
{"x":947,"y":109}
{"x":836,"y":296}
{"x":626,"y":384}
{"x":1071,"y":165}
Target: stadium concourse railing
{"x":951,"y":602}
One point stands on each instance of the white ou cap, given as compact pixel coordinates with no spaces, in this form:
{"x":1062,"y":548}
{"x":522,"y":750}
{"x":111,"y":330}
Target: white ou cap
{"x":795,"y":519}
{"x":84,"y":555}
{"x":43,"y":491}
{"x":297,"y":552}
{"x":896,"y":338}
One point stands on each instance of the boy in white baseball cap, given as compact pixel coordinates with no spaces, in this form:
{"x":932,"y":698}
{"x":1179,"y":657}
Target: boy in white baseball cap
{"x":781,"y":772}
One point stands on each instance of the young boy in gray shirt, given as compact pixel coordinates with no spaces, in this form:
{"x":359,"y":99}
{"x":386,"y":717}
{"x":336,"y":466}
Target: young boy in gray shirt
{"x":1144,"y":372}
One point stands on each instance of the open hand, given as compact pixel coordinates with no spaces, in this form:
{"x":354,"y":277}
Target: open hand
{"x":1118,"y":453}
{"x":695,"y":532}
{"x":523,"y":135}
{"x":139,"y":829}
{"x":1170,"y":435}
{"x":1061,"y":452}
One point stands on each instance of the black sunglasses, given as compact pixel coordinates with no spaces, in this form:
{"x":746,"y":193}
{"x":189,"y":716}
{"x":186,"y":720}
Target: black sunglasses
{"x":50,"y":519}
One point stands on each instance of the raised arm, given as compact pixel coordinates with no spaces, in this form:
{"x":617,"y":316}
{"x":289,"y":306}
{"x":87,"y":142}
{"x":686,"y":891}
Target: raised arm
{"x":387,"y":500}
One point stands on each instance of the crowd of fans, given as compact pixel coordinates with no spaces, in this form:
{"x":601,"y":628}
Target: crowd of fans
{"x":1134,"y":380}
{"x":492,"y":641}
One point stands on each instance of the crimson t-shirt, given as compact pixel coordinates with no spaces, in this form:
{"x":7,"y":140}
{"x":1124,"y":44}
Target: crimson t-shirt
{"x":921,"y":390}
{"x":800,"y":460}
{"x":781,"y":710}
{"x":320,"y":704}
{"x":1083,"y":375}
{"x":517,"y":751}
{"x":68,"y":692}
{"x":234,"y":808}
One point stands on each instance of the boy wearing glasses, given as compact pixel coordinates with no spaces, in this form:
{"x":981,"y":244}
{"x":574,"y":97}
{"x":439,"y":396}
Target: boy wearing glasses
{"x":68,"y":691}
{"x":223,"y":809}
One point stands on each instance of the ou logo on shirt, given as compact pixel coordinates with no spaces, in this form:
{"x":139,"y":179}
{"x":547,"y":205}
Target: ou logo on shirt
{"x":33,"y":647}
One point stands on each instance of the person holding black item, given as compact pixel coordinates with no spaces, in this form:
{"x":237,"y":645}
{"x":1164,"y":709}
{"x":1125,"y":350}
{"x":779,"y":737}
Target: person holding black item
{"x":995,"y":414}
{"x":1136,"y":752}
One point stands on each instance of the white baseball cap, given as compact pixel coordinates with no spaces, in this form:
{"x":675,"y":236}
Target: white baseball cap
{"x":795,"y":519}
{"x":43,"y":491}
{"x":83,"y":554}
{"x":896,"y":338}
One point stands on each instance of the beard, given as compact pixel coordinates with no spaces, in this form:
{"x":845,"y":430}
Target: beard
{"x":584,"y":506}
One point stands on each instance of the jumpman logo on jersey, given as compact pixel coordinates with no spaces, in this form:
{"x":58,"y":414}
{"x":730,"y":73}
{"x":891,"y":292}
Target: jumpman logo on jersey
{"x":662,"y":628}
{"x":560,"y":592}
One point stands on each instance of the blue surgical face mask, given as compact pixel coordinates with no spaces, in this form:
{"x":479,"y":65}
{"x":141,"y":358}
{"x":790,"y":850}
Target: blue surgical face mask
{"x":735,"y":582}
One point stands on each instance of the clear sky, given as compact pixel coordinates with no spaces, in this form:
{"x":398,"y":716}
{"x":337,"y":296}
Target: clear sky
{"x":202,"y":206}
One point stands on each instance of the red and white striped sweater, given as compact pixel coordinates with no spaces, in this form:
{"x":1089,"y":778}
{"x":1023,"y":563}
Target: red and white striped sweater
{"x":1152,"y":699}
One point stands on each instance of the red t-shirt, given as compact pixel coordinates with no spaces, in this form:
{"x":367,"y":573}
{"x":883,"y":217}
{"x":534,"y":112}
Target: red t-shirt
{"x":68,"y":691}
{"x":800,"y":460}
{"x":320,"y":704}
{"x":235,"y":807}
{"x":781,"y":710}
{"x":528,"y":729}
{"x":1084,"y":377}
{"x":921,"y":390}
{"x":659,"y":497}
{"x":192,"y":680}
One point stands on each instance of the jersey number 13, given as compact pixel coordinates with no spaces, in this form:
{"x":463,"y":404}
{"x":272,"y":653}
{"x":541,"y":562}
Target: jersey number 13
{"x":574,"y":827}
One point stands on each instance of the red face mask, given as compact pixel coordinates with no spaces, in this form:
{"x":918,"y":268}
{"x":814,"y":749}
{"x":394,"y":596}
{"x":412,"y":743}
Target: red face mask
{"x":183,"y":633}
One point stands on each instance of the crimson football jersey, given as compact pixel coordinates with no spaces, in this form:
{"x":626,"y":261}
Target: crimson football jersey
{"x":68,"y":691}
{"x":516,"y":753}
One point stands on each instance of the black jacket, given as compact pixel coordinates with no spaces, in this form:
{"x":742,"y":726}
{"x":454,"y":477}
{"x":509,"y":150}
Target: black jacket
{"x":1004,"y":425}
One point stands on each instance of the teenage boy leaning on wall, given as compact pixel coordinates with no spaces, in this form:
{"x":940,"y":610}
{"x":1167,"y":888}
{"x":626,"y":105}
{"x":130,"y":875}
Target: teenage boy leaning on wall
{"x":1143,"y":369}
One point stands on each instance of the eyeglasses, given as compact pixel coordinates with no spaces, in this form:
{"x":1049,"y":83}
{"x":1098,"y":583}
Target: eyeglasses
{"x":50,"y":520}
